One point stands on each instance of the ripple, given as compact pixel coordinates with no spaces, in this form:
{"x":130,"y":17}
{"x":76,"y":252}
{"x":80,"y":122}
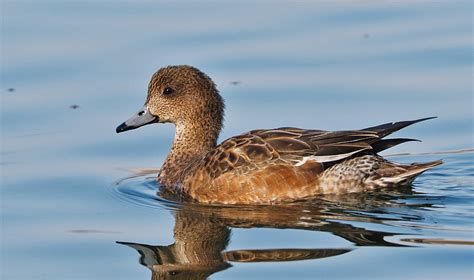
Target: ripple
{"x":143,"y":191}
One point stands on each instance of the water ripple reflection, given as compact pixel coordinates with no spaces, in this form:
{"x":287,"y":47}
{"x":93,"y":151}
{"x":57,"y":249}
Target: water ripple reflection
{"x":425,"y":214}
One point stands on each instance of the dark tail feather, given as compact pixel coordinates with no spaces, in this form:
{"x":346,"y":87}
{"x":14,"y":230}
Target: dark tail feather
{"x":411,"y":172}
{"x":388,"y":143}
{"x":388,"y":128}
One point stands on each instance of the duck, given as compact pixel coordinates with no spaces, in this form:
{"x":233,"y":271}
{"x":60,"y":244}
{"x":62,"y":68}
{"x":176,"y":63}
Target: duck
{"x":262,"y":166}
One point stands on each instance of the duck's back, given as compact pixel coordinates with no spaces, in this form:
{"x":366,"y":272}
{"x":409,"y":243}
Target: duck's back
{"x":284,"y":164}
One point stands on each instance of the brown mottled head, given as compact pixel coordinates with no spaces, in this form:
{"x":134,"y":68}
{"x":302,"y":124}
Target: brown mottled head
{"x":182,"y":95}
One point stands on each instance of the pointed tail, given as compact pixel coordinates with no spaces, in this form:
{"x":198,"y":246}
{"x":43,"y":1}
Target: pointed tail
{"x":388,"y":128}
{"x":411,"y":172}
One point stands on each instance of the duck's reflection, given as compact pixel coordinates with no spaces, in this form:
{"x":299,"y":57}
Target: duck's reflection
{"x":195,"y":254}
{"x":202,"y":233}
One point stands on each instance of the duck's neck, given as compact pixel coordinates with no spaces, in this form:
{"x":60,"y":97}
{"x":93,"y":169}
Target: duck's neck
{"x":191,"y":143}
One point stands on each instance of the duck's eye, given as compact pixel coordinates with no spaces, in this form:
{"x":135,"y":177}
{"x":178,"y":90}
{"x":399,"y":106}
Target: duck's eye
{"x":168,"y":91}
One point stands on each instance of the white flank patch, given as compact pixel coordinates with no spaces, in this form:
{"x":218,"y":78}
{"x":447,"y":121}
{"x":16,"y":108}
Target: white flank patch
{"x":327,"y":158}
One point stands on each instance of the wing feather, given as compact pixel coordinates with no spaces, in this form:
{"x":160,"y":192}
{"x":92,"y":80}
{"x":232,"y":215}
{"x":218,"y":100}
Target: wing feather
{"x":295,"y":146}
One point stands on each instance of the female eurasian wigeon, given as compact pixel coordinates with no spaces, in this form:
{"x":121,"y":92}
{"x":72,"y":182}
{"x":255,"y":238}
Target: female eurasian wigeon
{"x":261,"y":166}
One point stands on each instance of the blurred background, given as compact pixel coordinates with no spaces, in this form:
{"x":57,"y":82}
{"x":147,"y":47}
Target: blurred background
{"x":73,"y":70}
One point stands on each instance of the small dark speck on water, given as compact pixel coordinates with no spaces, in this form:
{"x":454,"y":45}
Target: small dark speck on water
{"x":11,"y":89}
{"x":74,"y":106}
{"x":234,"y":83}
{"x":366,"y":35}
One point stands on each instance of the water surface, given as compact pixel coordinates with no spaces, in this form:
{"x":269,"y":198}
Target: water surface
{"x":73,"y":206}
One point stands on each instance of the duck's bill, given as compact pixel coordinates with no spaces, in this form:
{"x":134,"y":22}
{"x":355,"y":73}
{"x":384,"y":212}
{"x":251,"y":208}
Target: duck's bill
{"x":141,"y":118}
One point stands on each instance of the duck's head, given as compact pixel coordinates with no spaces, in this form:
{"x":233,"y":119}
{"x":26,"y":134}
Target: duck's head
{"x":182,"y":95}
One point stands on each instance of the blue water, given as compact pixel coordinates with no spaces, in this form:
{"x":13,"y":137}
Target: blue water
{"x":69,"y":188}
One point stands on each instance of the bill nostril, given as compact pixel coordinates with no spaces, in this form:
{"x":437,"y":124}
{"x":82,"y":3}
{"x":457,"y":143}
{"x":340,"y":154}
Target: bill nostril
{"x":141,"y":113}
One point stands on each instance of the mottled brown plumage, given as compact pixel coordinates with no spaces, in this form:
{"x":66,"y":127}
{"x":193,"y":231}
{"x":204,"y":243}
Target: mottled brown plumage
{"x":261,"y":166}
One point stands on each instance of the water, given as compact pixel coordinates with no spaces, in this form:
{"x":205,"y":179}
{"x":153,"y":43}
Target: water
{"x":73,"y":70}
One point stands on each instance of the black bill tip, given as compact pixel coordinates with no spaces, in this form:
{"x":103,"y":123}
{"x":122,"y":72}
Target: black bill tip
{"x":123,"y":127}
